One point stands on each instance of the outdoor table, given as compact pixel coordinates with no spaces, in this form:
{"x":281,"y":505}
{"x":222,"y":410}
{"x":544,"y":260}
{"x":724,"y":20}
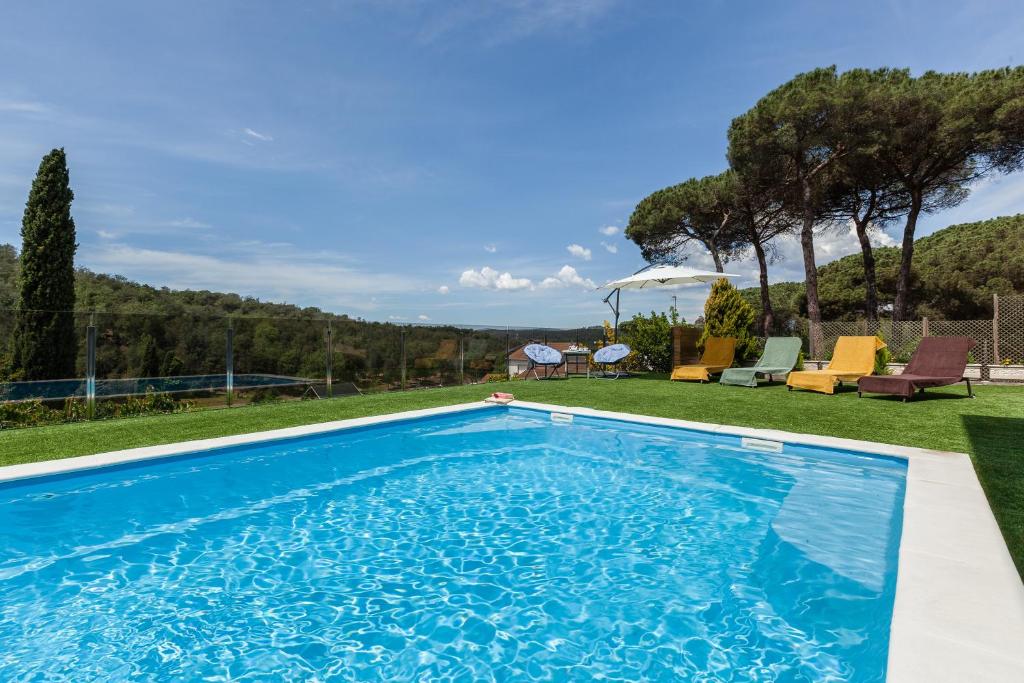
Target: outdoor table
{"x":577,"y":362}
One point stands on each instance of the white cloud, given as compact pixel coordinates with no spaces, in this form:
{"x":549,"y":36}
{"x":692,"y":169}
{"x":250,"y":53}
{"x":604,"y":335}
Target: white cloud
{"x":490,"y":248}
{"x":842,"y":241}
{"x":396,"y":317}
{"x":274,"y":272}
{"x":994,"y":195}
{"x":443,"y":289}
{"x":23,"y":107}
{"x":567,"y":277}
{"x":788,"y":267}
{"x":422,"y":317}
{"x":489,"y":278}
{"x":186,"y":223}
{"x":610,"y":230}
{"x":610,"y":248}
{"x":106,"y":234}
{"x":262,"y":137}
{"x":579,"y":251}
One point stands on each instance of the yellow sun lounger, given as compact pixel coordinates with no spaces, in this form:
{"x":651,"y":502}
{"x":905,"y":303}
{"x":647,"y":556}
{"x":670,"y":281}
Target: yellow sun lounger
{"x":853,"y":358}
{"x":718,"y":355}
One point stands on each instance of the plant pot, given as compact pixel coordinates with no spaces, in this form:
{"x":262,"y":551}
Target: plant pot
{"x":1006,"y":373}
{"x":973,"y":371}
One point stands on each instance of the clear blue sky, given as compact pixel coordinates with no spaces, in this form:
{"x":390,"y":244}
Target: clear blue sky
{"x":412,"y":160}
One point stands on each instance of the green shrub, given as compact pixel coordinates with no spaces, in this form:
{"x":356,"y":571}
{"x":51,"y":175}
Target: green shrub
{"x":727,"y":314}
{"x":36,"y":413}
{"x":882,"y":358}
{"x":27,"y":414}
{"x":650,"y":339}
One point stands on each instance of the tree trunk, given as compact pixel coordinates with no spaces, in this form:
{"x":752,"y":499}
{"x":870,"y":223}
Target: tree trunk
{"x":899,"y":309}
{"x":717,"y":258}
{"x":870,"y":281}
{"x":807,"y":245}
{"x":767,"y":314}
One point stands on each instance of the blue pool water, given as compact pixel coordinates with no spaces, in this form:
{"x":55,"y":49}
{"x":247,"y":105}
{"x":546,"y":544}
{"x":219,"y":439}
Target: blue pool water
{"x":493,"y":545}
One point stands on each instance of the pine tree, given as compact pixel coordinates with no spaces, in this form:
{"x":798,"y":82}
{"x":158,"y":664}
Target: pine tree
{"x":728,"y":314}
{"x":45,"y":346}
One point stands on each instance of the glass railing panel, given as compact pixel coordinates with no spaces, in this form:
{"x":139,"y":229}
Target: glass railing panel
{"x":61,"y":375}
{"x":147,"y":363}
{"x":278,"y":359}
{"x":434,"y":356}
{"x":366,"y":358}
{"x":483,"y":352}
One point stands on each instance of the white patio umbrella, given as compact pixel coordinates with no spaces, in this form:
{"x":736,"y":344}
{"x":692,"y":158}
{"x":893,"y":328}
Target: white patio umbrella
{"x":658,"y":276}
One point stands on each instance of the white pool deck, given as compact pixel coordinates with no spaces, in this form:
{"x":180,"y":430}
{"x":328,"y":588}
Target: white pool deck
{"x":959,"y":609}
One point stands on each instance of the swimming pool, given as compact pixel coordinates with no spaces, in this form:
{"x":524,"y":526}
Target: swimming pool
{"x":486,"y":544}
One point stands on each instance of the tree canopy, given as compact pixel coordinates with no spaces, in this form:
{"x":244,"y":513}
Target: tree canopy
{"x":792,"y":137}
{"x":666,"y":224}
{"x":938,"y":133}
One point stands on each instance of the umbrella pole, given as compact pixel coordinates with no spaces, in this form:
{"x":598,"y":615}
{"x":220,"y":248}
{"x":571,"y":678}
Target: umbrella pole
{"x":615,"y":310}
{"x":617,"y":292}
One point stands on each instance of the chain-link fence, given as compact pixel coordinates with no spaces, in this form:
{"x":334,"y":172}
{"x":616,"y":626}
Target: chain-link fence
{"x":998,"y":354}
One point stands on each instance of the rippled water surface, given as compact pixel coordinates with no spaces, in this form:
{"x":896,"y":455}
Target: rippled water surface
{"x":489,"y":546}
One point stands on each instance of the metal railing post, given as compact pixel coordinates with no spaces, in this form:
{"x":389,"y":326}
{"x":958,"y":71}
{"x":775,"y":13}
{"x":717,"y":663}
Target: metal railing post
{"x":229,"y":363}
{"x":330,"y":360}
{"x":462,"y":359}
{"x":90,"y":367}
{"x":403,"y":358}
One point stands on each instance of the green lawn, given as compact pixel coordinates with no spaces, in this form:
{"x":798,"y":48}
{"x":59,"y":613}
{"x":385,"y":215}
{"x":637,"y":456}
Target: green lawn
{"x":990,"y":427}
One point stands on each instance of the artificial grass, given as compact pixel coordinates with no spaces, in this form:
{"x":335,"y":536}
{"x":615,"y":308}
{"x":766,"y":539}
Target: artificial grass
{"x":990,"y":427}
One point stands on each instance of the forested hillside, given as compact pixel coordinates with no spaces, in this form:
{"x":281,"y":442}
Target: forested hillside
{"x":145,"y":331}
{"x":956,"y":272}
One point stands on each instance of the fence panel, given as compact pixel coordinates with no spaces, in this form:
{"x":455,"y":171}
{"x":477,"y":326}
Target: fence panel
{"x":978,"y":330}
{"x":1009,"y":327}
{"x":366,"y":357}
{"x":483,"y":354}
{"x":15,"y":386}
{"x":278,"y":358}
{"x":433,"y":356}
{"x":173,"y":362}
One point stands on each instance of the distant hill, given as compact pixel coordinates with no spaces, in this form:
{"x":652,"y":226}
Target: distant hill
{"x":956,"y":272}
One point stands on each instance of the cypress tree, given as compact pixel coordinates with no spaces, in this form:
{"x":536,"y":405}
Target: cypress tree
{"x":149,"y":358}
{"x":727,"y":314}
{"x":45,"y":346}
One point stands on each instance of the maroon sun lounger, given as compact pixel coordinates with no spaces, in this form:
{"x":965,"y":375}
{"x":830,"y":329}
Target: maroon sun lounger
{"x":938,"y":362}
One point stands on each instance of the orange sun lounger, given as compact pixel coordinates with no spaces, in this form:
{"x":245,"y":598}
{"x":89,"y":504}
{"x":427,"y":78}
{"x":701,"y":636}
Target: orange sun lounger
{"x":718,"y":355}
{"x":853,"y":358}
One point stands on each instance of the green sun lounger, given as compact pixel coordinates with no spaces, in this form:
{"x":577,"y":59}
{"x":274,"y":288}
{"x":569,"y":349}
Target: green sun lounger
{"x":779,"y":358}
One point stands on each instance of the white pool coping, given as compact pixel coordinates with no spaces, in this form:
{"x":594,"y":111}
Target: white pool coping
{"x":959,"y":606}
